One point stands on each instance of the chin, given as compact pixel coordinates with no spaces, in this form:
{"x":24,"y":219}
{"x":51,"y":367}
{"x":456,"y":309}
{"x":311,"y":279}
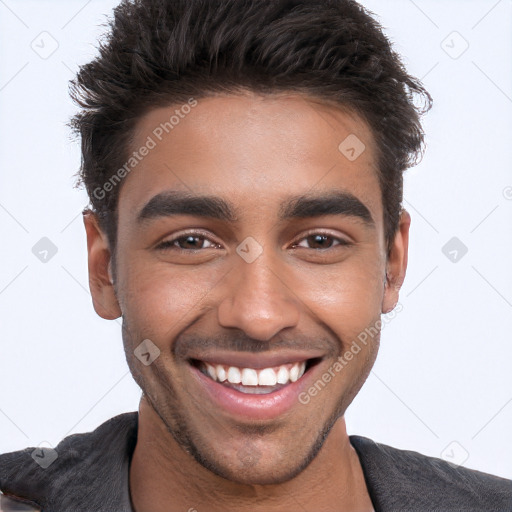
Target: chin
{"x":249,"y":466}
{"x":260,"y":474}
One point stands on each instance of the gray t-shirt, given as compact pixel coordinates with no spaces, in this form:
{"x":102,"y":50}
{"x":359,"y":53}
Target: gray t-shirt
{"x":91,"y":473}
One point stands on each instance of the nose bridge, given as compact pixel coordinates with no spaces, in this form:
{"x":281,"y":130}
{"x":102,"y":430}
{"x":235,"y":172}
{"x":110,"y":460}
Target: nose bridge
{"x":257,"y":299}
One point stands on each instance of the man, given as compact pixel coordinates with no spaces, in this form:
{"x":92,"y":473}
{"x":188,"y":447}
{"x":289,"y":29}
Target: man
{"x":244,"y":164}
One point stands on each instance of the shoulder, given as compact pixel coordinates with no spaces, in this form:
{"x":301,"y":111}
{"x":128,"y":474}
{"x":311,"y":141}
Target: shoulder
{"x":80,"y":462}
{"x":399,"y":479}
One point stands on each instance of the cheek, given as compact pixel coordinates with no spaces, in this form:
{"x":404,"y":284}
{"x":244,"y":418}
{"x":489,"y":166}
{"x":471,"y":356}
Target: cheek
{"x":346,"y":296}
{"x":161,"y":298}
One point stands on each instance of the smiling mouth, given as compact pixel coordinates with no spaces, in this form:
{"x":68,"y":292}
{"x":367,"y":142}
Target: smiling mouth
{"x":255,"y":380}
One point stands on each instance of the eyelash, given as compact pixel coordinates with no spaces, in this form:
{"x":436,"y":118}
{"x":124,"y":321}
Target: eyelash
{"x":169,"y":244}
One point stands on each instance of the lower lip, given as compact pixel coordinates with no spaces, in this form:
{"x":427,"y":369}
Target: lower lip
{"x":251,"y":406}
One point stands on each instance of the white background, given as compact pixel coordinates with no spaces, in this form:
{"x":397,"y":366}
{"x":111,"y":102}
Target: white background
{"x":444,"y":370}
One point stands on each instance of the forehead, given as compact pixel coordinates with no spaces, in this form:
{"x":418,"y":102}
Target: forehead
{"x":252,"y":150}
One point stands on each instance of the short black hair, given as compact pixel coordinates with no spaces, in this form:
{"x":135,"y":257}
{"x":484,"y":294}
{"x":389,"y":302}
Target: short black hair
{"x":164,"y":52}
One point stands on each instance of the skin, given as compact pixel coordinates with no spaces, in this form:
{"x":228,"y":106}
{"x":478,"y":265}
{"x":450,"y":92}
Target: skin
{"x":254,"y":152}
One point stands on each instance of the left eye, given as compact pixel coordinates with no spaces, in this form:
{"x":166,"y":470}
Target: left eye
{"x":321,"y":241}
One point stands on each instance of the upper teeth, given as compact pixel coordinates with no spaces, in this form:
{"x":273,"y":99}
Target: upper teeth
{"x":283,"y":374}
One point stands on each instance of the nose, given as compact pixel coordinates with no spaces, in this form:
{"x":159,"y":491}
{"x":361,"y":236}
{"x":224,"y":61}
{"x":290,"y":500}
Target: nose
{"x":258,"y":300}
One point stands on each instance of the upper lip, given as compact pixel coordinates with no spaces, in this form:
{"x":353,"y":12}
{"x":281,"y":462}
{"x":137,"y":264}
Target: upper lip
{"x":256,"y":361}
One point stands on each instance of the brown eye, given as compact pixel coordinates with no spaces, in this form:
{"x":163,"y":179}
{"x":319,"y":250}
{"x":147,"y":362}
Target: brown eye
{"x":321,"y":241}
{"x":190,"y":242}
{"x":186,"y":242}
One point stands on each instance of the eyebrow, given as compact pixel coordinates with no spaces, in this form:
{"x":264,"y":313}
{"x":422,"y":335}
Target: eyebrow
{"x":172,"y":203}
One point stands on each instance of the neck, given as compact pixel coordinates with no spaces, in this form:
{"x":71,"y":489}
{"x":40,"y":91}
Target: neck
{"x":163,"y":477}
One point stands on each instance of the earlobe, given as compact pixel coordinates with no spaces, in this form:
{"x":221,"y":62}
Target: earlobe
{"x":396,"y":266}
{"x":101,"y":284}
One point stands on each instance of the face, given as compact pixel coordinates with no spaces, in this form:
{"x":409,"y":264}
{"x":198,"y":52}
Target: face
{"x":250,"y":247}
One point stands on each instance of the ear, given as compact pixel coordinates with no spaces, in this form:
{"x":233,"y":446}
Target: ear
{"x":99,"y":262}
{"x":396,"y":265}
